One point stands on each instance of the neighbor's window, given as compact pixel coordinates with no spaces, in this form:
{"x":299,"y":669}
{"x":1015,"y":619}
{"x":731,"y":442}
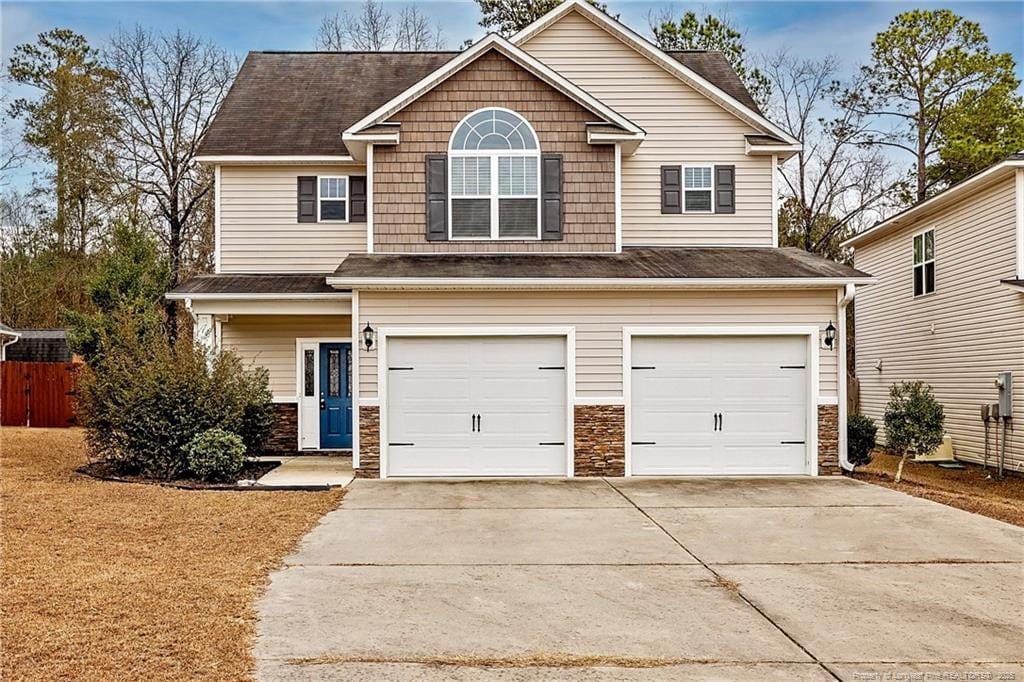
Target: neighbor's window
{"x":697,"y":189}
{"x":924,"y":263}
{"x":333,"y":198}
{"x":494,"y":164}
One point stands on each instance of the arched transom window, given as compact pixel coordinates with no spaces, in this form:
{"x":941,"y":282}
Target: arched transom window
{"x":493,"y":171}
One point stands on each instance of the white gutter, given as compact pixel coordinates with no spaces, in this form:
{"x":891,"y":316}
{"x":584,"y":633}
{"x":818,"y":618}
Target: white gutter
{"x":845,"y":298}
{"x":595,"y":282}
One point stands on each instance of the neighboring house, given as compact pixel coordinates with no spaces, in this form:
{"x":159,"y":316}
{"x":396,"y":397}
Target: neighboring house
{"x":554,"y":255}
{"x":948,"y":308}
{"x":35,"y":345}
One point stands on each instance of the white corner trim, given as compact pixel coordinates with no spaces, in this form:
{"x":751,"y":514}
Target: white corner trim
{"x":644,"y":47}
{"x":514,"y":53}
{"x":357,"y":348}
{"x":775,"y":200}
{"x":618,"y":198}
{"x":1019,"y":191}
{"x":216,"y":218}
{"x":369,"y":200}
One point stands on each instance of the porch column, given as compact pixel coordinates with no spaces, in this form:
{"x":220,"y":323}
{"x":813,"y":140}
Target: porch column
{"x":204,"y":333}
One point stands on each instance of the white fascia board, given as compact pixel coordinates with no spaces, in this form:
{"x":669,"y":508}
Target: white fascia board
{"x":644,"y":47}
{"x":947,"y":196}
{"x":268,"y":160}
{"x":514,"y":53}
{"x":628,"y":142}
{"x":784,"y":151}
{"x":596,"y":283}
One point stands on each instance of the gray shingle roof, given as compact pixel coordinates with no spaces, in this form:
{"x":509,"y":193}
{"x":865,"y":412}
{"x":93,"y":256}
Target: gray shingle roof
{"x":255,"y":284}
{"x":632,"y":263}
{"x":298,"y":103}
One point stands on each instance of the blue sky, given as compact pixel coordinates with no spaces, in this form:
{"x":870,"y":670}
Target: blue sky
{"x":814,"y":29}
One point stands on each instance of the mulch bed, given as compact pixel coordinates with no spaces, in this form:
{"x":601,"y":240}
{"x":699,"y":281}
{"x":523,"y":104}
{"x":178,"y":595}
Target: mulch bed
{"x":972,"y":488}
{"x":251,"y":470}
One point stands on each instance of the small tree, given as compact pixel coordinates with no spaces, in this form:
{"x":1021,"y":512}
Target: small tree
{"x":914,"y":420}
{"x":860,"y":438}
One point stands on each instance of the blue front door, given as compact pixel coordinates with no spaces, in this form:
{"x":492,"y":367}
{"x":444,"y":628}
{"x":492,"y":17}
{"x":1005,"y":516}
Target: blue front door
{"x":335,"y":396}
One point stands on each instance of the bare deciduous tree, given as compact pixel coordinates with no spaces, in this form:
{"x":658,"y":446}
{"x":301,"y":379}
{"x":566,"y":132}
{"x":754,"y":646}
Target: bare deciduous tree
{"x":833,"y":186}
{"x":373,"y":29}
{"x":170,"y":86}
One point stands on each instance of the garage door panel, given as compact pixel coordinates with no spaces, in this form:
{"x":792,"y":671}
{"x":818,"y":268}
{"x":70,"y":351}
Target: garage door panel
{"x":757,"y":384}
{"x":515,"y":384}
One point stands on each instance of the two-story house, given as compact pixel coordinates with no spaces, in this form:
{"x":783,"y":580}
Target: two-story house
{"x":948,"y":308}
{"x":554,"y":255}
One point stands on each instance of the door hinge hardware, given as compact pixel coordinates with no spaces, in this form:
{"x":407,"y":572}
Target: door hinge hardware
{"x":792,"y":367}
{"x":397,"y":445}
{"x":552,"y":443}
{"x":551,"y":368}
{"x":644,"y":442}
{"x":793,"y":442}
{"x":652,"y":367}
{"x":400,"y":369}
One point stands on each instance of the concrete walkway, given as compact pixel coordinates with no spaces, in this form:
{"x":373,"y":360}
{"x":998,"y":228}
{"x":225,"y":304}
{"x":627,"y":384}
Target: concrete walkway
{"x":808,"y":579}
{"x":310,"y":470}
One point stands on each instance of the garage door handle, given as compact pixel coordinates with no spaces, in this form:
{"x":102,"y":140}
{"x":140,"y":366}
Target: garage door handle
{"x":401,"y":445}
{"x":644,"y":442}
{"x":793,"y":442}
{"x":551,"y":443}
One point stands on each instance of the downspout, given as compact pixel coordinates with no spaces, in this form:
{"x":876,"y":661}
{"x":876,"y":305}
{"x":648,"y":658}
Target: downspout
{"x":845,"y":297}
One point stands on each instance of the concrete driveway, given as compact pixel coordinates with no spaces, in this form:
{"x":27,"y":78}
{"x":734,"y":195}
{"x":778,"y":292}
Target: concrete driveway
{"x":645,"y":579}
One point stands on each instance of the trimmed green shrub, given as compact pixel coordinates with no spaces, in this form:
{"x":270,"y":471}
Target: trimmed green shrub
{"x":216,"y":455}
{"x":144,"y":402}
{"x":860,"y":438}
{"x":914,"y":420}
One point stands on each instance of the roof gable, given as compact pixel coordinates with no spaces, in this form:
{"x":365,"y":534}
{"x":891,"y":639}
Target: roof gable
{"x":709,"y":75}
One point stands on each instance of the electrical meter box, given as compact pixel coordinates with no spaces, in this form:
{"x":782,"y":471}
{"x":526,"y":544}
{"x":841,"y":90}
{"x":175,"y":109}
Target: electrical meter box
{"x":1005,"y":385}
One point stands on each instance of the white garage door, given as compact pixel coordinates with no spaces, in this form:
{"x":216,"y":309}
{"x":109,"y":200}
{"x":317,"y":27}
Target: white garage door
{"x":719,"y":405}
{"x":478,"y":406}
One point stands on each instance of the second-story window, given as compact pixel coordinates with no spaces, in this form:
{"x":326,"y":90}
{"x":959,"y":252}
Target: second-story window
{"x":697,"y":189}
{"x":924,"y":263}
{"x":332,"y":198}
{"x":493,"y":164}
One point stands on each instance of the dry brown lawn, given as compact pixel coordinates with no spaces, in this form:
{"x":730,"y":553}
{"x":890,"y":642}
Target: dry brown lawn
{"x":973,"y":488}
{"x":103,"y":580}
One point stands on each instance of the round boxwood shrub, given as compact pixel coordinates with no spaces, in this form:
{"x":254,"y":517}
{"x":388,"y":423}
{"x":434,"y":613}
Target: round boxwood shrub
{"x":860,"y":437}
{"x":216,"y":455}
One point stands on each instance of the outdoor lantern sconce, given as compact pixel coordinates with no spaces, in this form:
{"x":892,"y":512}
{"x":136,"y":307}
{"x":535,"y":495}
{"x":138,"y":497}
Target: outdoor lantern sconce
{"x":830,"y":335}
{"x":368,"y":335}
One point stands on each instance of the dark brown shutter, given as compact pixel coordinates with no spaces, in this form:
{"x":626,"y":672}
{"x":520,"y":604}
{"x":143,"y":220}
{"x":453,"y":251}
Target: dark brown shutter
{"x":552,"y":206}
{"x":437,"y":197}
{"x":307,"y":199}
{"x":357,"y":197}
{"x":725,"y":189}
{"x":671,"y":189}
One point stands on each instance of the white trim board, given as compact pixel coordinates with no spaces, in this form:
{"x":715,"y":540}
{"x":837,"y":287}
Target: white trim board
{"x":523,"y":59}
{"x":656,"y":55}
{"x":1019,"y":200}
{"x":569,"y":333}
{"x":813,"y":376}
{"x":596,"y":282}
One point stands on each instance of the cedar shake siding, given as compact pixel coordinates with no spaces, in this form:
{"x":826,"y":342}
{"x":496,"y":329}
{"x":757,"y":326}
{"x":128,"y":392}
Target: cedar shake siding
{"x":399,"y":205}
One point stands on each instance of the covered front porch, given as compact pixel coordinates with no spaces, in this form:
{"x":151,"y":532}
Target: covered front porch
{"x":300,"y":331}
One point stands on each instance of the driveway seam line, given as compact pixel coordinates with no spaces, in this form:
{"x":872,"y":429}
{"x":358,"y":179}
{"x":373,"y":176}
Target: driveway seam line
{"x":719,"y":576}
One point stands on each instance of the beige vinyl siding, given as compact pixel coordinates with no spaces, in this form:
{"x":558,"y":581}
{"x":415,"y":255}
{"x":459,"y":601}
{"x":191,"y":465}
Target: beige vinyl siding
{"x":598,"y":318}
{"x":978,"y":323}
{"x":269,"y":341}
{"x":259,"y":229}
{"x":683,"y":127}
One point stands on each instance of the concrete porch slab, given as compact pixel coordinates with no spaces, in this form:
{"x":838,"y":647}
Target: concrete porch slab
{"x":915,"y":613}
{"x":487,"y":536}
{"x":918,"y":533}
{"x":757,"y":492}
{"x":710,"y":672}
{"x":487,"y":494}
{"x":646,"y":612}
{"x":310,"y":470}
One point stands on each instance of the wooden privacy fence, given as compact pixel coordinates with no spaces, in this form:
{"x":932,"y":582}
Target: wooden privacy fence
{"x":37,"y":394}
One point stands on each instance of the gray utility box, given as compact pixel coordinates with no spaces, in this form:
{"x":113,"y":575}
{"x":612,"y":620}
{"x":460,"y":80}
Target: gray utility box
{"x":1005,"y":384}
